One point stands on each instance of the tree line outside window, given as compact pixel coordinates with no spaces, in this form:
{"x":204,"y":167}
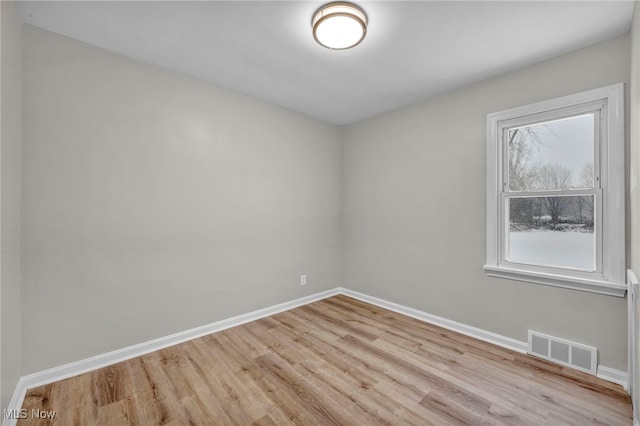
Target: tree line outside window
{"x":557,"y":212}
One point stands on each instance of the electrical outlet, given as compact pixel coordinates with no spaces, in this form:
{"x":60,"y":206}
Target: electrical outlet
{"x":303,"y":280}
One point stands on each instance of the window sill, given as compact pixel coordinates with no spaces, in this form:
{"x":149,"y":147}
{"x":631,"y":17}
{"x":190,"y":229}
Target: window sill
{"x":592,"y":286}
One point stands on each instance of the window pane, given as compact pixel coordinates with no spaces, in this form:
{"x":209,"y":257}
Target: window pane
{"x":552,"y":155}
{"x":552,"y":231}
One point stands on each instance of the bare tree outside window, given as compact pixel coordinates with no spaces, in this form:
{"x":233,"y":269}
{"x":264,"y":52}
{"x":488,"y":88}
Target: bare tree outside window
{"x":554,"y":157}
{"x":554,"y":176}
{"x":522,"y":169}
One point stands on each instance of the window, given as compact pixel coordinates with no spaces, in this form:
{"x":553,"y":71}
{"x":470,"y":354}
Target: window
{"x":555,"y":192}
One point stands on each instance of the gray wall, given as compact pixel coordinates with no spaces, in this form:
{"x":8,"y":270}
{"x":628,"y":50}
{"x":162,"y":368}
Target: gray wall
{"x":153,"y":203}
{"x":634,"y":149}
{"x":634,"y":180}
{"x":414,"y":208}
{"x":10,"y":337}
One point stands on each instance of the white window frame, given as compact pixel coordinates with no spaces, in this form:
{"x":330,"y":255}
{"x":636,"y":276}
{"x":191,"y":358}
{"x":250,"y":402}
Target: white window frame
{"x":609,"y":276}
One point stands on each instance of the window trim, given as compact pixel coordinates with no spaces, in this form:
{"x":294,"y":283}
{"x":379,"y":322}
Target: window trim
{"x":611,"y":279}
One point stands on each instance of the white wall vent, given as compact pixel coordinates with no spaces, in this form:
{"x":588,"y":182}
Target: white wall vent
{"x":575,"y":355}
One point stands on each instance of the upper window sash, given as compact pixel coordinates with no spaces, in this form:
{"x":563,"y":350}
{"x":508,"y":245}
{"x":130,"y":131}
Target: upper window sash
{"x":597,"y":108}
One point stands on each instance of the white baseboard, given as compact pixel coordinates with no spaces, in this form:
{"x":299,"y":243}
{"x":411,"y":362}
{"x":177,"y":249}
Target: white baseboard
{"x":467,"y":330}
{"x":16,"y":401}
{"x":606,"y":373}
{"x":613,"y":375}
{"x":89,"y":364}
{"x":75,"y":368}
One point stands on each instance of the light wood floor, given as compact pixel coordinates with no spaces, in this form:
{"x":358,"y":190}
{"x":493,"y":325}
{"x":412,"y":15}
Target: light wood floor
{"x":337,"y":361}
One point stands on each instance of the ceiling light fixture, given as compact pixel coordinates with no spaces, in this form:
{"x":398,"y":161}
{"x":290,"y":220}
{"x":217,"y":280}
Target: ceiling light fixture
{"x":339,"y":25}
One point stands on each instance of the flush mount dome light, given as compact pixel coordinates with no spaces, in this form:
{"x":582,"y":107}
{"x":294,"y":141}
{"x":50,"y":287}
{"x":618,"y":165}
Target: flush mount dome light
{"x":339,"y":25}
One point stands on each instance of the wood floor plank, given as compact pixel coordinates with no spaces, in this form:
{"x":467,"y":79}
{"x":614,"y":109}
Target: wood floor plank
{"x":336,"y":361}
{"x":232,"y":392}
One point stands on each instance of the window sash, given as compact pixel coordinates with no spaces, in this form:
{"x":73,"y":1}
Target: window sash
{"x":595,"y":108}
{"x":550,"y":192}
{"x":597,"y":229}
{"x":598,"y":109}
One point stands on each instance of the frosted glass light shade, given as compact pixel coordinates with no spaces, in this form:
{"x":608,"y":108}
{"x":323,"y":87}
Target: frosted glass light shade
{"x":339,"y":25}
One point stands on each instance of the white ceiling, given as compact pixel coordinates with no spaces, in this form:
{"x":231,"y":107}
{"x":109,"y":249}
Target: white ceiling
{"x":265,"y":49}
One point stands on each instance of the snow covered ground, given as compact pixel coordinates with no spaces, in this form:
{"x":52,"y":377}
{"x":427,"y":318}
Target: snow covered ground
{"x":573,"y":249}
